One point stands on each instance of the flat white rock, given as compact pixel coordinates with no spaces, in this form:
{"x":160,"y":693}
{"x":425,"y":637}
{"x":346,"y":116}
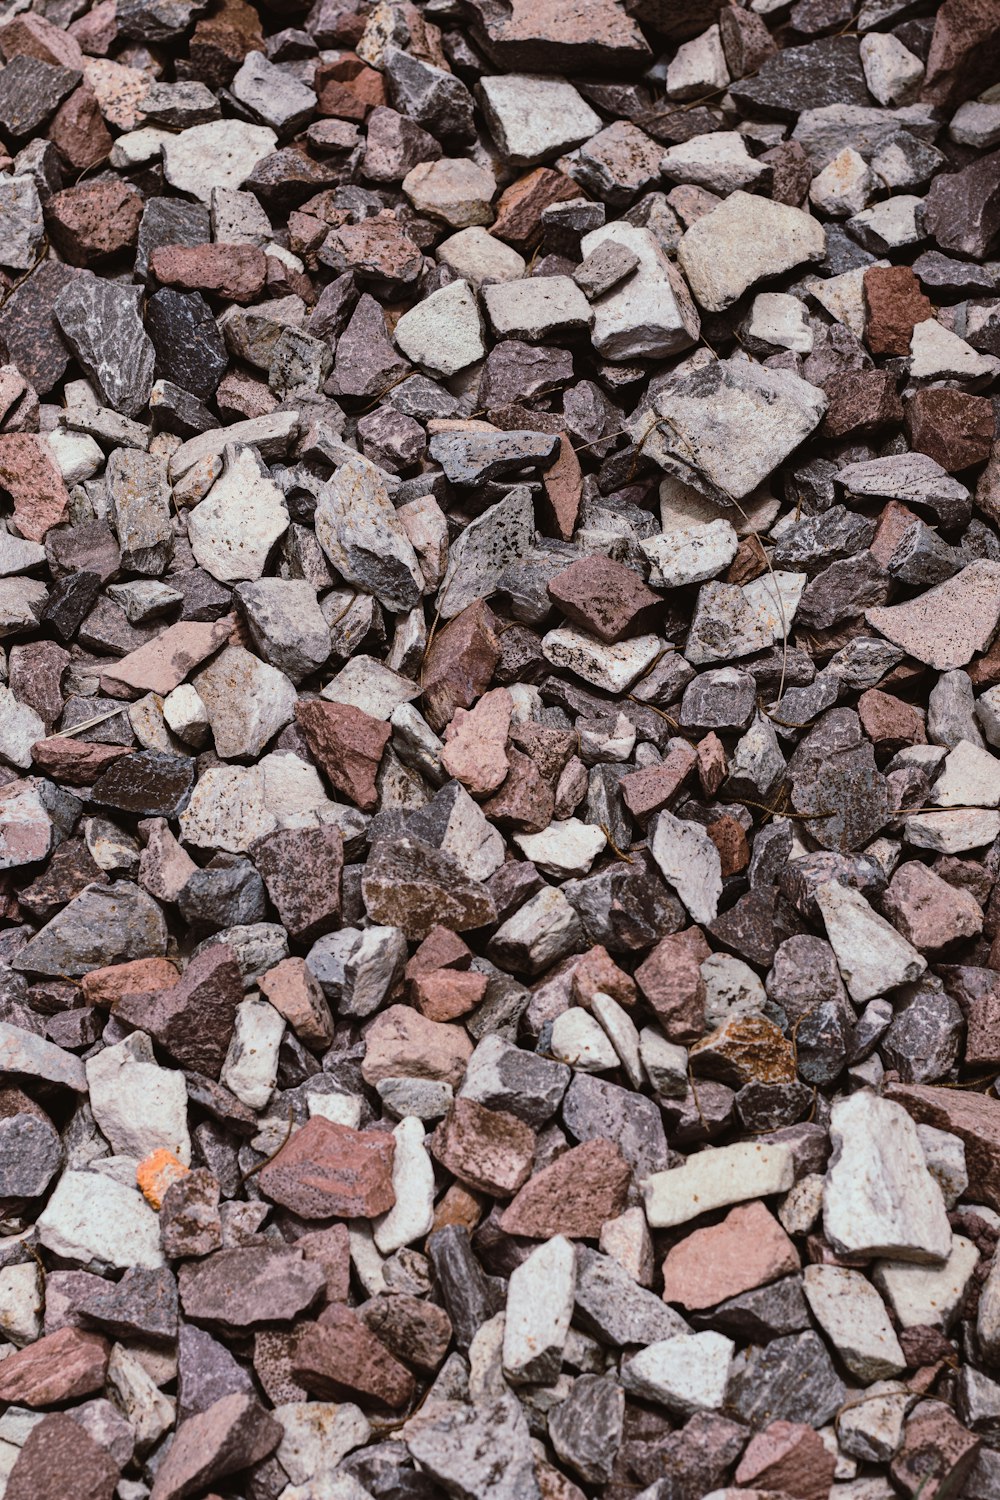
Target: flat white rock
{"x":690,"y":862}
{"x":444,"y":332}
{"x":317,"y":1435}
{"x":138,"y":1105}
{"x":928,"y":1296}
{"x":90,"y":1218}
{"x":649,"y":315}
{"x":741,"y":242}
{"x":221,"y":154}
{"x":250,"y":1070}
{"x":716,"y":1177}
{"x":564,"y":848}
{"x":614,"y":668}
{"x":412,"y":1215}
{"x":688,"y":1373}
{"x":247,"y":701}
{"x":234,"y":528}
{"x":871,"y":955}
{"x":540,"y":1296}
{"x":580,"y":1041}
{"x":532,"y":118}
{"x":690,"y":554}
{"x":852,"y":1315}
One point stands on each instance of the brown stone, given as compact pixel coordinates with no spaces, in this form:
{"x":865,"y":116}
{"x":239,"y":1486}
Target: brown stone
{"x":94,"y":221}
{"x":34,"y":483}
{"x":446,"y":994}
{"x":79,"y":131}
{"x":977,"y":992}
{"x":730,"y":839}
{"x":57,"y":1367}
{"x":889,"y":722}
{"x":401,"y":1043}
{"x":233,"y":272}
{"x":33,"y":36}
{"x":973,"y":1117}
{"x":745,"y":1049}
{"x":60,"y":1460}
{"x":605,"y":598}
{"x":163,"y":663}
{"x":962,"y":57}
{"x":488,"y":1149}
{"x":190,"y":1224}
{"x":749,"y":563}
{"x":575,"y":1195}
{"x":930,"y":913}
{"x":347,"y":744}
{"x":232,"y":1434}
{"x":519,"y":207}
{"x":301,"y":868}
{"x":526,"y":800}
{"x":339,"y":1357}
{"x":861,"y":402}
{"x":440,"y":949}
{"x":746,"y":41}
{"x":894,"y":305}
{"x":295,"y":994}
{"x":597,"y":973}
{"x":459,"y":1205}
{"x":650,"y":790}
{"x":748,"y":1249}
{"x":330,"y":1248}
{"x":249,"y":1285}
{"x":105,"y":986}
{"x":411,"y":1328}
{"x":347,"y":89}
{"x":953,"y":428}
{"x":75,"y":762}
{"x":328,"y":1171}
{"x":475,"y":750}
{"x":378,"y":249}
{"x":192,"y":1019}
{"x":937,"y":1453}
{"x":562,"y":485}
{"x":459,"y":664}
{"x":791,"y":172}
{"x":35,"y":673}
{"x":221,"y":42}
{"x":893,"y":525}
{"x":789,"y":1458}
{"x":97,"y":30}
{"x":670,"y":980}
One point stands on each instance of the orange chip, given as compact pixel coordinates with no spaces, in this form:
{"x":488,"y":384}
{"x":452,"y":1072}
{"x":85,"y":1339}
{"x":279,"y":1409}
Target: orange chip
{"x":155,"y":1174}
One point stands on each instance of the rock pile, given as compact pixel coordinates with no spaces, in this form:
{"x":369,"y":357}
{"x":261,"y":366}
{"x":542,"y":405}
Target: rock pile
{"x":499,"y":730}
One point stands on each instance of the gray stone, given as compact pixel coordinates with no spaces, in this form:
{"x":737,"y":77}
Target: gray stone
{"x":104,"y":924}
{"x":358,"y":529}
{"x":790,"y":1380}
{"x":478,"y":1452}
{"x":102,"y":323}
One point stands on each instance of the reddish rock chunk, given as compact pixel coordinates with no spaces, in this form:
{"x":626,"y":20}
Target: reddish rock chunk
{"x":296,"y":995}
{"x":446,"y":994}
{"x":33,"y":482}
{"x":525,"y":800}
{"x":520,"y":206}
{"x":953,"y":428}
{"x":712,"y":766}
{"x":163,"y":663}
{"x":928,"y":911}
{"x":670,"y":980}
{"x":650,"y":790}
{"x":76,"y":762}
{"x":79,"y":131}
{"x":974,"y":1118}
{"x":574,"y":1196}
{"x":745,"y":1049}
{"x":562,"y":484}
{"x":193,"y":1019}
{"x":400,"y":1042}
{"x":32,"y":36}
{"x":894,"y":305}
{"x":339,"y":1357}
{"x":94,"y":221}
{"x":487,"y":1149}
{"x":977,"y":991}
{"x":330,"y":1248}
{"x":937,"y":1453}
{"x":597,"y":973}
{"x":729,"y":838}
{"x":440,"y":949}
{"x":234,"y":272}
{"x":301,"y":868}
{"x":862,"y":402}
{"x":964,"y":47}
{"x":105,"y":986}
{"x":790,"y":1458}
{"x":412,"y":1328}
{"x":605,"y":598}
{"x":61,"y":1461}
{"x":232,"y":1434}
{"x":475,"y":750}
{"x":58,"y":1367}
{"x":347,"y":744}
{"x":329,"y":1171}
{"x":748,"y":1249}
{"x":889,"y":722}
{"x":459,"y":664}
{"x":746,"y":41}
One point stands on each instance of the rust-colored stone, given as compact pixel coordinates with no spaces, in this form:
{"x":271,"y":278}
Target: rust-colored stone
{"x":573,"y":1196}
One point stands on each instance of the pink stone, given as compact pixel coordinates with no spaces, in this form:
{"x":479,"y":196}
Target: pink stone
{"x":162,"y":664}
{"x":748,"y":1249}
{"x":928,"y":911}
{"x":788,"y":1457}
{"x":475,"y":749}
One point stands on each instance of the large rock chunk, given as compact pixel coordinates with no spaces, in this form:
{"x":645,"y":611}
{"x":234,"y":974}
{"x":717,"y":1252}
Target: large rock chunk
{"x":358,"y":529}
{"x":946,"y":626}
{"x":102,"y":323}
{"x":104,"y":924}
{"x":743,"y":241}
{"x":650,"y":314}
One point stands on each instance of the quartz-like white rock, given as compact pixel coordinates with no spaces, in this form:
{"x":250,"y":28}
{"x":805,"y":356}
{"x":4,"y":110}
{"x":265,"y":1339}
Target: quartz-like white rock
{"x":92,"y":1218}
{"x":691,"y":554}
{"x":412,"y":1215}
{"x":928,"y":1296}
{"x":234,"y":528}
{"x":563,"y":849}
{"x":478,"y":256}
{"x":221,"y":154}
{"x":686,"y":1374}
{"x":951,"y":832}
{"x":880,"y":1198}
{"x":537,"y":307}
{"x":944,"y":1154}
{"x":539,"y":1308}
{"x":228,"y":809}
{"x":698,"y":67}
{"x":444,"y":332}
{"x":532,"y":118}
{"x":970,"y":777}
{"x":138,"y":1105}
{"x":250,"y":1070}
{"x":650,"y":314}
{"x":852,"y":1315}
{"x":577,"y":1039}
{"x":778,"y":319}
{"x":871,"y":955}
{"x":871,"y":1429}
{"x":317,"y":1435}
{"x":613,"y":668}
{"x":20,"y":727}
{"x":716,"y":1177}
{"x":938,"y":354}
{"x":622,"y":1034}
{"x":690,"y":862}
{"x":845,"y":186}
{"x":719,"y":161}
{"x":149,"y":1412}
{"x":892,"y":72}
{"x":741,"y":242}
{"x":21,"y":1303}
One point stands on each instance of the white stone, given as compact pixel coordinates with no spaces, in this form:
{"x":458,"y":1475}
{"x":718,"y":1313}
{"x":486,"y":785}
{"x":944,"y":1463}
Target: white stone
{"x":852,"y":1315}
{"x":444,"y":332}
{"x":779,"y":319}
{"x":144,"y":1406}
{"x":20,"y":727}
{"x":563,"y":849}
{"x":892,"y":72}
{"x":138,"y":148}
{"x":743,"y":241}
{"x":622,"y":1034}
{"x":845,"y":186}
{"x":220,"y":154}
{"x":613,"y":668}
{"x":871,"y":1428}
{"x":342,"y":1109}
{"x":988,"y":714}
{"x":665,"y":1063}
{"x":928,"y":1296}
{"x":628,"y":1241}
{"x":690,"y":554}
{"x":532,"y":118}
{"x":92,"y":1218}
{"x":951,"y":832}
{"x":139,"y":1106}
{"x":228,"y":810}
{"x":540,"y":1296}
{"x":799,"y":1210}
{"x":76,"y":455}
{"x":890,"y":225}
{"x":938,"y":354}
{"x":250,"y":1070}
{"x":970,"y":777}
{"x":690,"y":862}
{"x":682,"y":506}
{"x":714,"y":1178}
{"x":843,"y":296}
{"x":412,"y":1215}
{"x":478,"y":256}
{"x":976,"y":123}
{"x":719,"y":161}
{"x":234,"y":528}
{"x":688,"y":1373}
{"x":317,"y":1435}
{"x":944,"y":1154}
{"x":536,"y":307}
{"x":17,"y":554}
{"x":581,"y":1042}
{"x":21,"y":1303}
{"x":871,"y":955}
{"x":879,"y":1198}
{"x":247,"y":701}
{"x":649,"y":315}
{"x":731,"y":988}
{"x":698,"y":67}
{"x":366,"y":683}
{"x":185,"y":715}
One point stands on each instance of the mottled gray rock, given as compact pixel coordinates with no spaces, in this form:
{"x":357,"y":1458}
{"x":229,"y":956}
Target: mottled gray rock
{"x":102,"y":323}
{"x":104,"y":924}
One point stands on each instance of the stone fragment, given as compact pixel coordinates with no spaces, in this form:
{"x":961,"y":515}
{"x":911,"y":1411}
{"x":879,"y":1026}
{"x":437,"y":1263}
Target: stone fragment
{"x":328,"y":1170}
{"x":746,"y":1250}
{"x":714,"y":1179}
{"x":101,"y":322}
{"x":230,"y":1435}
{"x":712,"y":252}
